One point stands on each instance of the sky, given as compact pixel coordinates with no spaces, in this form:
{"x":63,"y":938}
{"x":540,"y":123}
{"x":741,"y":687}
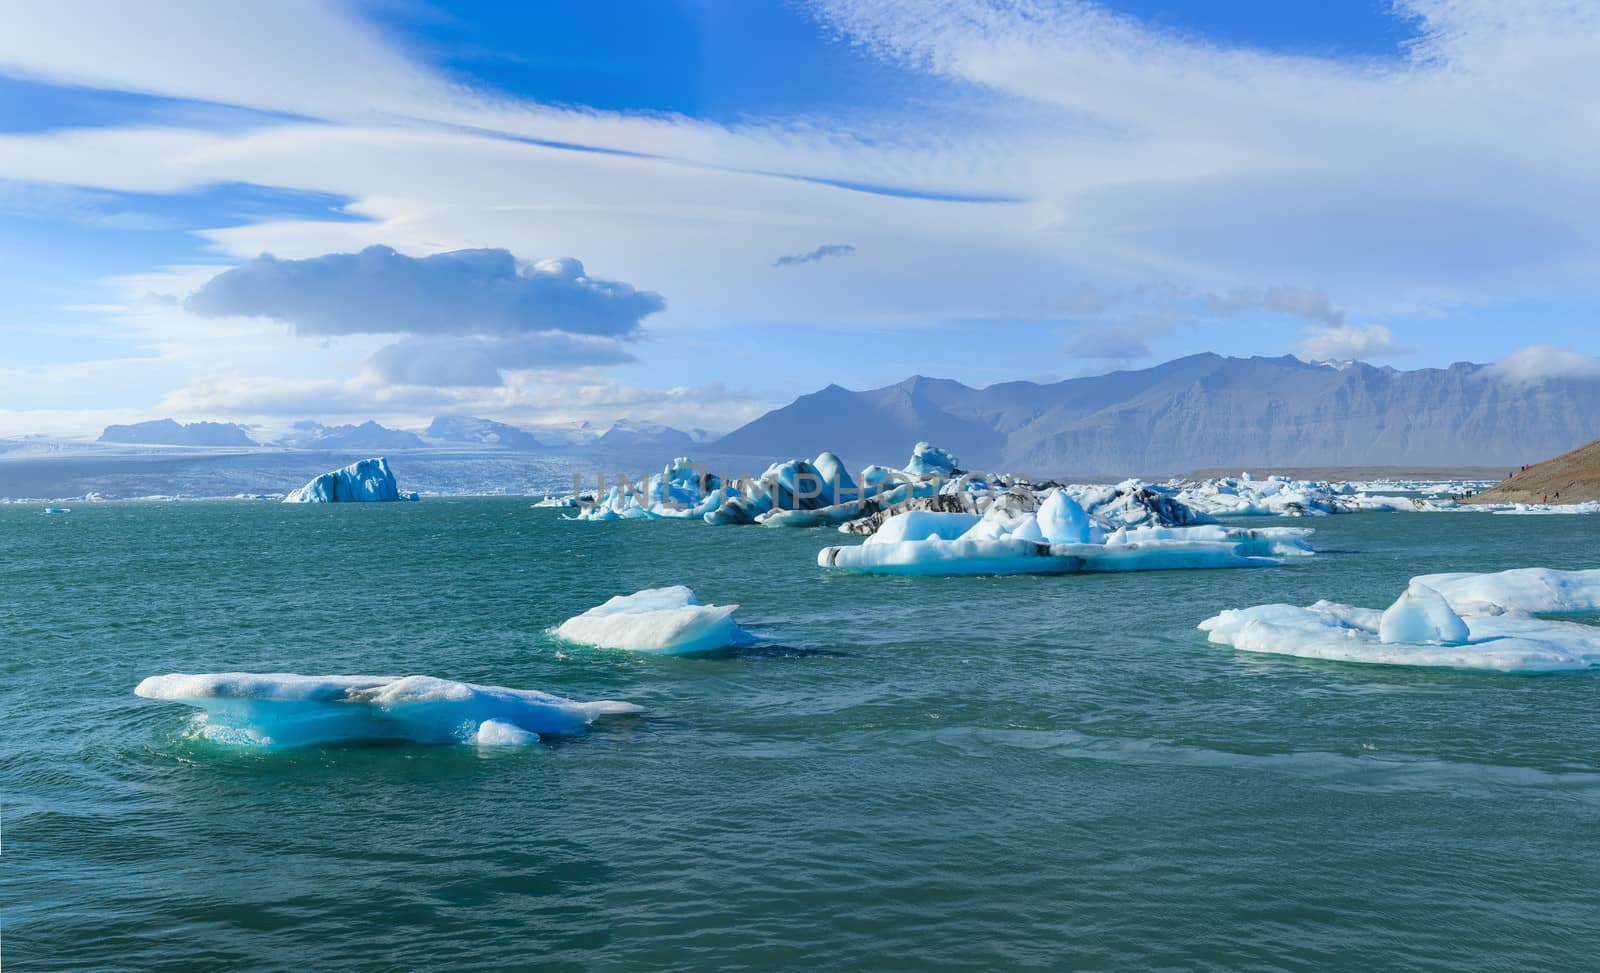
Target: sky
{"x":692,"y":211}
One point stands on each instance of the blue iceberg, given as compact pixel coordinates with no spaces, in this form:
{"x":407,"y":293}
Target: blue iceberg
{"x":279,"y":710}
{"x":364,"y":481}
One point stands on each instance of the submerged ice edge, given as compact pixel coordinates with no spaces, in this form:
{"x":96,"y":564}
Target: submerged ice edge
{"x":284,"y":710}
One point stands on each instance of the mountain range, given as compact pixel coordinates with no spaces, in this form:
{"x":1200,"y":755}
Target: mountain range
{"x":1201,"y":412}
{"x":1205,"y":410}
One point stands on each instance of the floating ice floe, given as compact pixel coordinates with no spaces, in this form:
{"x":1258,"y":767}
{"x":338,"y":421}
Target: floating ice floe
{"x":567,"y":501}
{"x":288,"y":710}
{"x":1057,"y":536}
{"x":1526,"y":509}
{"x":1282,"y":496}
{"x":1462,"y":621}
{"x":363,"y":481}
{"x":664,"y":621}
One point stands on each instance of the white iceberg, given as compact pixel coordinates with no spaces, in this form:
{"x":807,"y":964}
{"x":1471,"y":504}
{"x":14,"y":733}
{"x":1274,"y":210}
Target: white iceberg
{"x":1462,"y":621}
{"x":1059,"y":538}
{"x":664,"y":621}
{"x":364,"y":481}
{"x":288,"y":710}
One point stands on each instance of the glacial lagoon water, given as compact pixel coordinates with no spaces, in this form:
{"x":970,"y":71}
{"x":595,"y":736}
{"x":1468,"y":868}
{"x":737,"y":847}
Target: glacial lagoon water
{"x":905,"y":773}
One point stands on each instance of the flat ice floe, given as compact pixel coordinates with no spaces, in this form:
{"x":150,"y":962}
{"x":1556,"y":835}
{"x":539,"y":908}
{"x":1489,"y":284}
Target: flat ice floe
{"x":288,"y":710}
{"x":1282,"y":496}
{"x":1461,"y":621}
{"x":1058,"y":537}
{"x":665,"y":621}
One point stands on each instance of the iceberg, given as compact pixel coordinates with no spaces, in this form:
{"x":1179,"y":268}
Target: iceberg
{"x":363,"y":481}
{"x":927,"y":458}
{"x":796,"y":493}
{"x":664,"y":621}
{"x":1460,"y":621}
{"x":281,"y":710}
{"x":1057,"y":538}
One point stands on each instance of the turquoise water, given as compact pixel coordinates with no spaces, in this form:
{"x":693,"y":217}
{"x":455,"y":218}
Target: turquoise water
{"x":907,"y":774}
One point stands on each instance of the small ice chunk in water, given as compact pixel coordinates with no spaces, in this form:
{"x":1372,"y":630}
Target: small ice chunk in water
{"x":666,"y":621}
{"x":1421,"y":614}
{"x":499,"y":733}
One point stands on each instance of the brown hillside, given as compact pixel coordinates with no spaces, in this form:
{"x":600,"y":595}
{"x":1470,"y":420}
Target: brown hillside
{"x":1569,"y":478}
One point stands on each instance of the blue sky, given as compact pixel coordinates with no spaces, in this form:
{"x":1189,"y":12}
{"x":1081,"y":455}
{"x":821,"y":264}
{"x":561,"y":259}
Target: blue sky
{"x":981,"y":189}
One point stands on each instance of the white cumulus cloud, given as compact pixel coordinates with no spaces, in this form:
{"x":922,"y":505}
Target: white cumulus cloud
{"x":1538,"y":363}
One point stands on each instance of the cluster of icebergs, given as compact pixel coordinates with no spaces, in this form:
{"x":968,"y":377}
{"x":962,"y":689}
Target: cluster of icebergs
{"x":821,"y":492}
{"x":798,"y":493}
{"x":1282,"y":496}
{"x":1463,"y":621}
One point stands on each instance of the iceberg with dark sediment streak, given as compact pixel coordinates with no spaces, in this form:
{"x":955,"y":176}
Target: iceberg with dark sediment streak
{"x":281,"y":710}
{"x":821,"y":492}
{"x":664,"y":621}
{"x":364,"y":481}
{"x":1462,"y":621}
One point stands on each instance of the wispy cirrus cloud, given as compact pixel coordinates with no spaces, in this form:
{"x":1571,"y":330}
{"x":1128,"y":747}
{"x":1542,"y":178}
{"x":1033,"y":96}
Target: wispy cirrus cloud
{"x":812,"y":256}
